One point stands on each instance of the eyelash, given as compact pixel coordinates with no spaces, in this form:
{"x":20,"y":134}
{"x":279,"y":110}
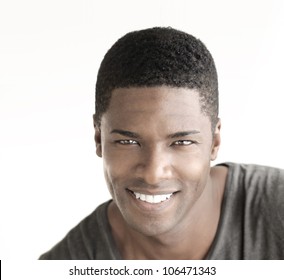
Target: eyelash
{"x":134,"y":142}
{"x":127,"y":142}
{"x":178,"y":143}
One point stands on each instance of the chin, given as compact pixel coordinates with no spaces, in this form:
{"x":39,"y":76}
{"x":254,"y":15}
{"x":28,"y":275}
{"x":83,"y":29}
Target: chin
{"x":151,"y":227}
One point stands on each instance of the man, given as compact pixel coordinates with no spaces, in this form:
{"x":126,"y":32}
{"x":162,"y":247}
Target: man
{"x":157,"y":131}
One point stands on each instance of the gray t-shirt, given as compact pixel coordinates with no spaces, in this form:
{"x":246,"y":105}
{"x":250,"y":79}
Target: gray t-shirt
{"x":251,"y":225}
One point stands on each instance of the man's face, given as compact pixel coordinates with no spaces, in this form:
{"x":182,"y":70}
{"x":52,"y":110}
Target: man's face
{"x":156,"y":146}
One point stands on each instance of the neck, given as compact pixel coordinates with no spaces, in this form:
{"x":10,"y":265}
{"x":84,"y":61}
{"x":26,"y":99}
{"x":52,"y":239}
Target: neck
{"x":168,"y":246}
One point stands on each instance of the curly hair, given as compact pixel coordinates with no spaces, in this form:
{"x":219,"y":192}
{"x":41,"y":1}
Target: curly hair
{"x":159,"y":56}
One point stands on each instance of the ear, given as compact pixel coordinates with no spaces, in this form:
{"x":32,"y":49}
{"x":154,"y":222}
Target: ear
{"x":216,"y":141}
{"x":98,"y":139}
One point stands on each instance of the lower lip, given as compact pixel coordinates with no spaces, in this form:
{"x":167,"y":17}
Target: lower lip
{"x":151,"y":207}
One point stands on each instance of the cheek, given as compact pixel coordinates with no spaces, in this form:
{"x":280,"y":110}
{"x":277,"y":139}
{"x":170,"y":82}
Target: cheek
{"x":119,"y":161}
{"x":116,"y":163}
{"x":194,"y":173}
{"x":116,"y":170}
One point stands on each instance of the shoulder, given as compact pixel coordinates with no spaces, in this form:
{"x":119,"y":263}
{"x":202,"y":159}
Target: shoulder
{"x":253,"y":175}
{"x":266,"y":179}
{"x":252,"y":221}
{"x":262,"y":195}
{"x":256,"y":182}
{"x":264,"y":189}
{"x":80,"y":242}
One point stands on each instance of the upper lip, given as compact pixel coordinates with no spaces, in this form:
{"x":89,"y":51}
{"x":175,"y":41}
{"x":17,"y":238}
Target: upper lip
{"x":147,"y":192}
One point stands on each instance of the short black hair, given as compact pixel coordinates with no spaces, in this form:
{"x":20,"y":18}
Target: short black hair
{"x":159,"y":56}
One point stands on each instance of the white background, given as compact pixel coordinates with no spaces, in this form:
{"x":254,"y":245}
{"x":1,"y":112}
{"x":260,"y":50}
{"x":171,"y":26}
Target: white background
{"x":50,"y":51}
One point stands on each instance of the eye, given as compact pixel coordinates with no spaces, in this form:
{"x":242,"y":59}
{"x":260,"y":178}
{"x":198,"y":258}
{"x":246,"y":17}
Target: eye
{"x":183,"y":143}
{"x":127,"y":142}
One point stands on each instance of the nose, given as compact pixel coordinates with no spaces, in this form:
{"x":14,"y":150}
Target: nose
{"x":155,"y":166}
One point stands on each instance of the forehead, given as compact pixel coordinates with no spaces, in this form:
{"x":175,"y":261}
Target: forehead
{"x":155,"y":108}
{"x":152,"y":99}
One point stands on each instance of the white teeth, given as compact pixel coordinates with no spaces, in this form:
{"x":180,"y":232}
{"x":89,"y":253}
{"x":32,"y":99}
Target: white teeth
{"x":152,"y":198}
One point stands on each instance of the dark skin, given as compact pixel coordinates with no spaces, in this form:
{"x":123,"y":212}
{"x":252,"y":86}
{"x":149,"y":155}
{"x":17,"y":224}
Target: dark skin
{"x":157,"y":146}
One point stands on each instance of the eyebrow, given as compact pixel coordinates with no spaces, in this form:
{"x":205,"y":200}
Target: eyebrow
{"x":183,"y":133}
{"x":126,"y":133}
{"x":136,"y":135}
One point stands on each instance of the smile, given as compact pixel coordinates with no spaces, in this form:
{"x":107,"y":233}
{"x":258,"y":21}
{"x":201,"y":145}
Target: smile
{"x":152,"y":198}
